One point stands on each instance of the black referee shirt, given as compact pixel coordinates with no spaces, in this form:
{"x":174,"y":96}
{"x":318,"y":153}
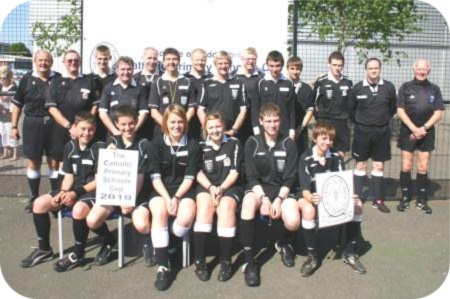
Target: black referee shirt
{"x":146,"y":80}
{"x":139,"y":144}
{"x":217,"y":164}
{"x":173,"y":164}
{"x":81,"y":163}
{"x":275,"y":166}
{"x":71,"y":96}
{"x":114,"y":95}
{"x":101,"y":82}
{"x":420,"y":100}
{"x":281,"y":93}
{"x":309,"y":166}
{"x":304,"y":101}
{"x":373,"y":105}
{"x":331,"y":97}
{"x":250,"y":84}
{"x":226,"y":97}
{"x":165,"y":92}
{"x":197,"y":83}
{"x":32,"y":94}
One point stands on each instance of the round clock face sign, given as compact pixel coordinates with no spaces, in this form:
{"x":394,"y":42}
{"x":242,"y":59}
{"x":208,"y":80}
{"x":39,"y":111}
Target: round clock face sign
{"x":338,"y":194}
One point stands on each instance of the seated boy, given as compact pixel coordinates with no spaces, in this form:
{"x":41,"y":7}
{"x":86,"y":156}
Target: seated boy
{"x":322,"y":158}
{"x":126,"y":119}
{"x":77,"y":191}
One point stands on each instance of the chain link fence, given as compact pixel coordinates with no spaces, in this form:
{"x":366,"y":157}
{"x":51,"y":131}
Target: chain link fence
{"x":432,"y":43}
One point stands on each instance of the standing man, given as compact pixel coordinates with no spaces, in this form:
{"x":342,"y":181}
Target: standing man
{"x":123,"y":91}
{"x":374,"y":103}
{"x":68,"y":95}
{"x":224,"y":94}
{"x":145,"y":78}
{"x":250,"y":75}
{"x":331,"y":93}
{"x":171,"y":88}
{"x":275,"y":88}
{"x":419,"y":107}
{"x":37,"y":123}
{"x":198,"y":74}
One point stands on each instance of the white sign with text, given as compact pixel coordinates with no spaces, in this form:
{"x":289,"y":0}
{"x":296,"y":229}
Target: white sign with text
{"x":117,"y":177}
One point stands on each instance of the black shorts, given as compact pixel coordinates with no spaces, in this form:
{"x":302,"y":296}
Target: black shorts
{"x":88,"y":198}
{"x":60,"y":136}
{"x":426,"y":144}
{"x":38,"y":137}
{"x":271,"y":191}
{"x":235,"y":192}
{"x":371,"y":142}
{"x":341,"y":141}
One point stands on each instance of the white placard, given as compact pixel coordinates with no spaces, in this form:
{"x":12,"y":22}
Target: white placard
{"x":117,"y":177}
{"x":336,"y":191}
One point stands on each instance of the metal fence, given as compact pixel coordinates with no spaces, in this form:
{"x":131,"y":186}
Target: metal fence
{"x":432,"y":43}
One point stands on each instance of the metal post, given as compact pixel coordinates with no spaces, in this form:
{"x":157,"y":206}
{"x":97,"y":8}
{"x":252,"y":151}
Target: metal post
{"x":60,"y":235}
{"x":121,"y":241}
{"x":295,"y":28}
{"x":81,"y":31}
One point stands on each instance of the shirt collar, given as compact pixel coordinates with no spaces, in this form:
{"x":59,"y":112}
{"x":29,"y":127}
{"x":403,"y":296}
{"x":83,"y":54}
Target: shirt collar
{"x":366,"y":83}
{"x":117,"y":81}
{"x":35,"y":74}
{"x":165,"y":76}
{"x":316,"y":156}
{"x":66,"y":75}
{"x":224,"y":139}
{"x":183,"y":141}
{"x":331,"y":77}
{"x":216,"y":79}
{"x":268,"y":76}
{"x":146,"y":72}
{"x":240,"y":71}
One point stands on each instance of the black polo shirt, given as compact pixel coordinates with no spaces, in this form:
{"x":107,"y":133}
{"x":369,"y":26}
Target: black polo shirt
{"x":114,"y":95}
{"x":331,"y":97}
{"x":275,"y":166}
{"x":173,"y":164}
{"x":165,"y":92}
{"x":102,"y":81}
{"x":304,"y":101}
{"x":81,"y":163}
{"x":373,"y":105}
{"x":250,"y":84}
{"x":280,"y":92}
{"x":226,"y":97}
{"x":420,"y":100}
{"x":309,"y":166}
{"x":139,"y":144}
{"x":145,"y":79}
{"x":217,"y":164}
{"x":71,"y":96}
{"x":197,"y":83}
{"x":32,"y":94}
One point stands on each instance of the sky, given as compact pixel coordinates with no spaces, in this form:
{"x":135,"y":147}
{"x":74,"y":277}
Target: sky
{"x":14,"y":28}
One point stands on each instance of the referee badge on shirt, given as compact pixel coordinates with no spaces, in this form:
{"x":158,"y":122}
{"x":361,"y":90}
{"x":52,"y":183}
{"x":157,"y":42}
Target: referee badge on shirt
{"x":234,"y":93}
{"x":344,"y":90}
{"x":209,"y":165}
{"x":227,"y":162}
{"x":281,"y":164}
{"x":183,"y":100}
{"x":431,"y":99}
{"x":74,"y":167}
{"x":165,"y":100}
{"x":85,"y":93}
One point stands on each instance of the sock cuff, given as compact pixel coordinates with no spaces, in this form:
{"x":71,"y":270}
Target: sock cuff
{"x":377,"y":173}
{"x":308,"y":224}
{"x":202,"y":227}
{"x":53,"y":173}
{"x":358,"y":172}
{"x":160,"y":237}
{"x":178,"y":230}
{"x":33,"y":174}
{"x":226,"y":232}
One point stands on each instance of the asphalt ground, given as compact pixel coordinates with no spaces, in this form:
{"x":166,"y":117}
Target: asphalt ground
{"x":406,"y":255}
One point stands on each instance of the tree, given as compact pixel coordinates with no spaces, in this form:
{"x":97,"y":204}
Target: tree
{"x":58,"y":36}
{"x":367,"y":25}
{"x":19,"y":49}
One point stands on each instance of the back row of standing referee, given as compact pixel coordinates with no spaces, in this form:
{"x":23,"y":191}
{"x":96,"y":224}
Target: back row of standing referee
{"x":50,"y":101}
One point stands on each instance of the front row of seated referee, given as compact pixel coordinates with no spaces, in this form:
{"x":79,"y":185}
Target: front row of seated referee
{"x":190,"y":183}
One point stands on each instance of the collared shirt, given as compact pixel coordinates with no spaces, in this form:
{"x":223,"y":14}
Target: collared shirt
{"x":218,"y":163}
{"x":331,"y":97}
{"x":197,"y":83}
{"x":227,"y":97}
{"x":139,"y":144}
{"x":144,"y":78}
{"x":280,"y":92}
{"x":71,"y":96}
{"x":309,"y":166}
{"x":165,"y":92}
{"x":266,"y":165}
{"x":115,"y":94}
{"x":420,"y":100}
{"x":174,"y":163}
{"x":373,"y":105}
{"x":32,"y":94}
{"x":102,"y":80}
{"x":81,"y":163}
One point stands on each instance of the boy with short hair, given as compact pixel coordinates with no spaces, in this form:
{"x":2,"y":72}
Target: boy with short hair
{"x":304,"y":103}
{"x":319,"y":159}
{"x":77,"y":191}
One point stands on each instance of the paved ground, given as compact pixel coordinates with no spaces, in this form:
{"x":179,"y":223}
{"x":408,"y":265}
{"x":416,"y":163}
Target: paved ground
{"x":407,"y":256}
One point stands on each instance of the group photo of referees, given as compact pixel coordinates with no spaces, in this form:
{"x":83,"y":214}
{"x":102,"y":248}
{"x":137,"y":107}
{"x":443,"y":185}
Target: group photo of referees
{"x":218,"y":153}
